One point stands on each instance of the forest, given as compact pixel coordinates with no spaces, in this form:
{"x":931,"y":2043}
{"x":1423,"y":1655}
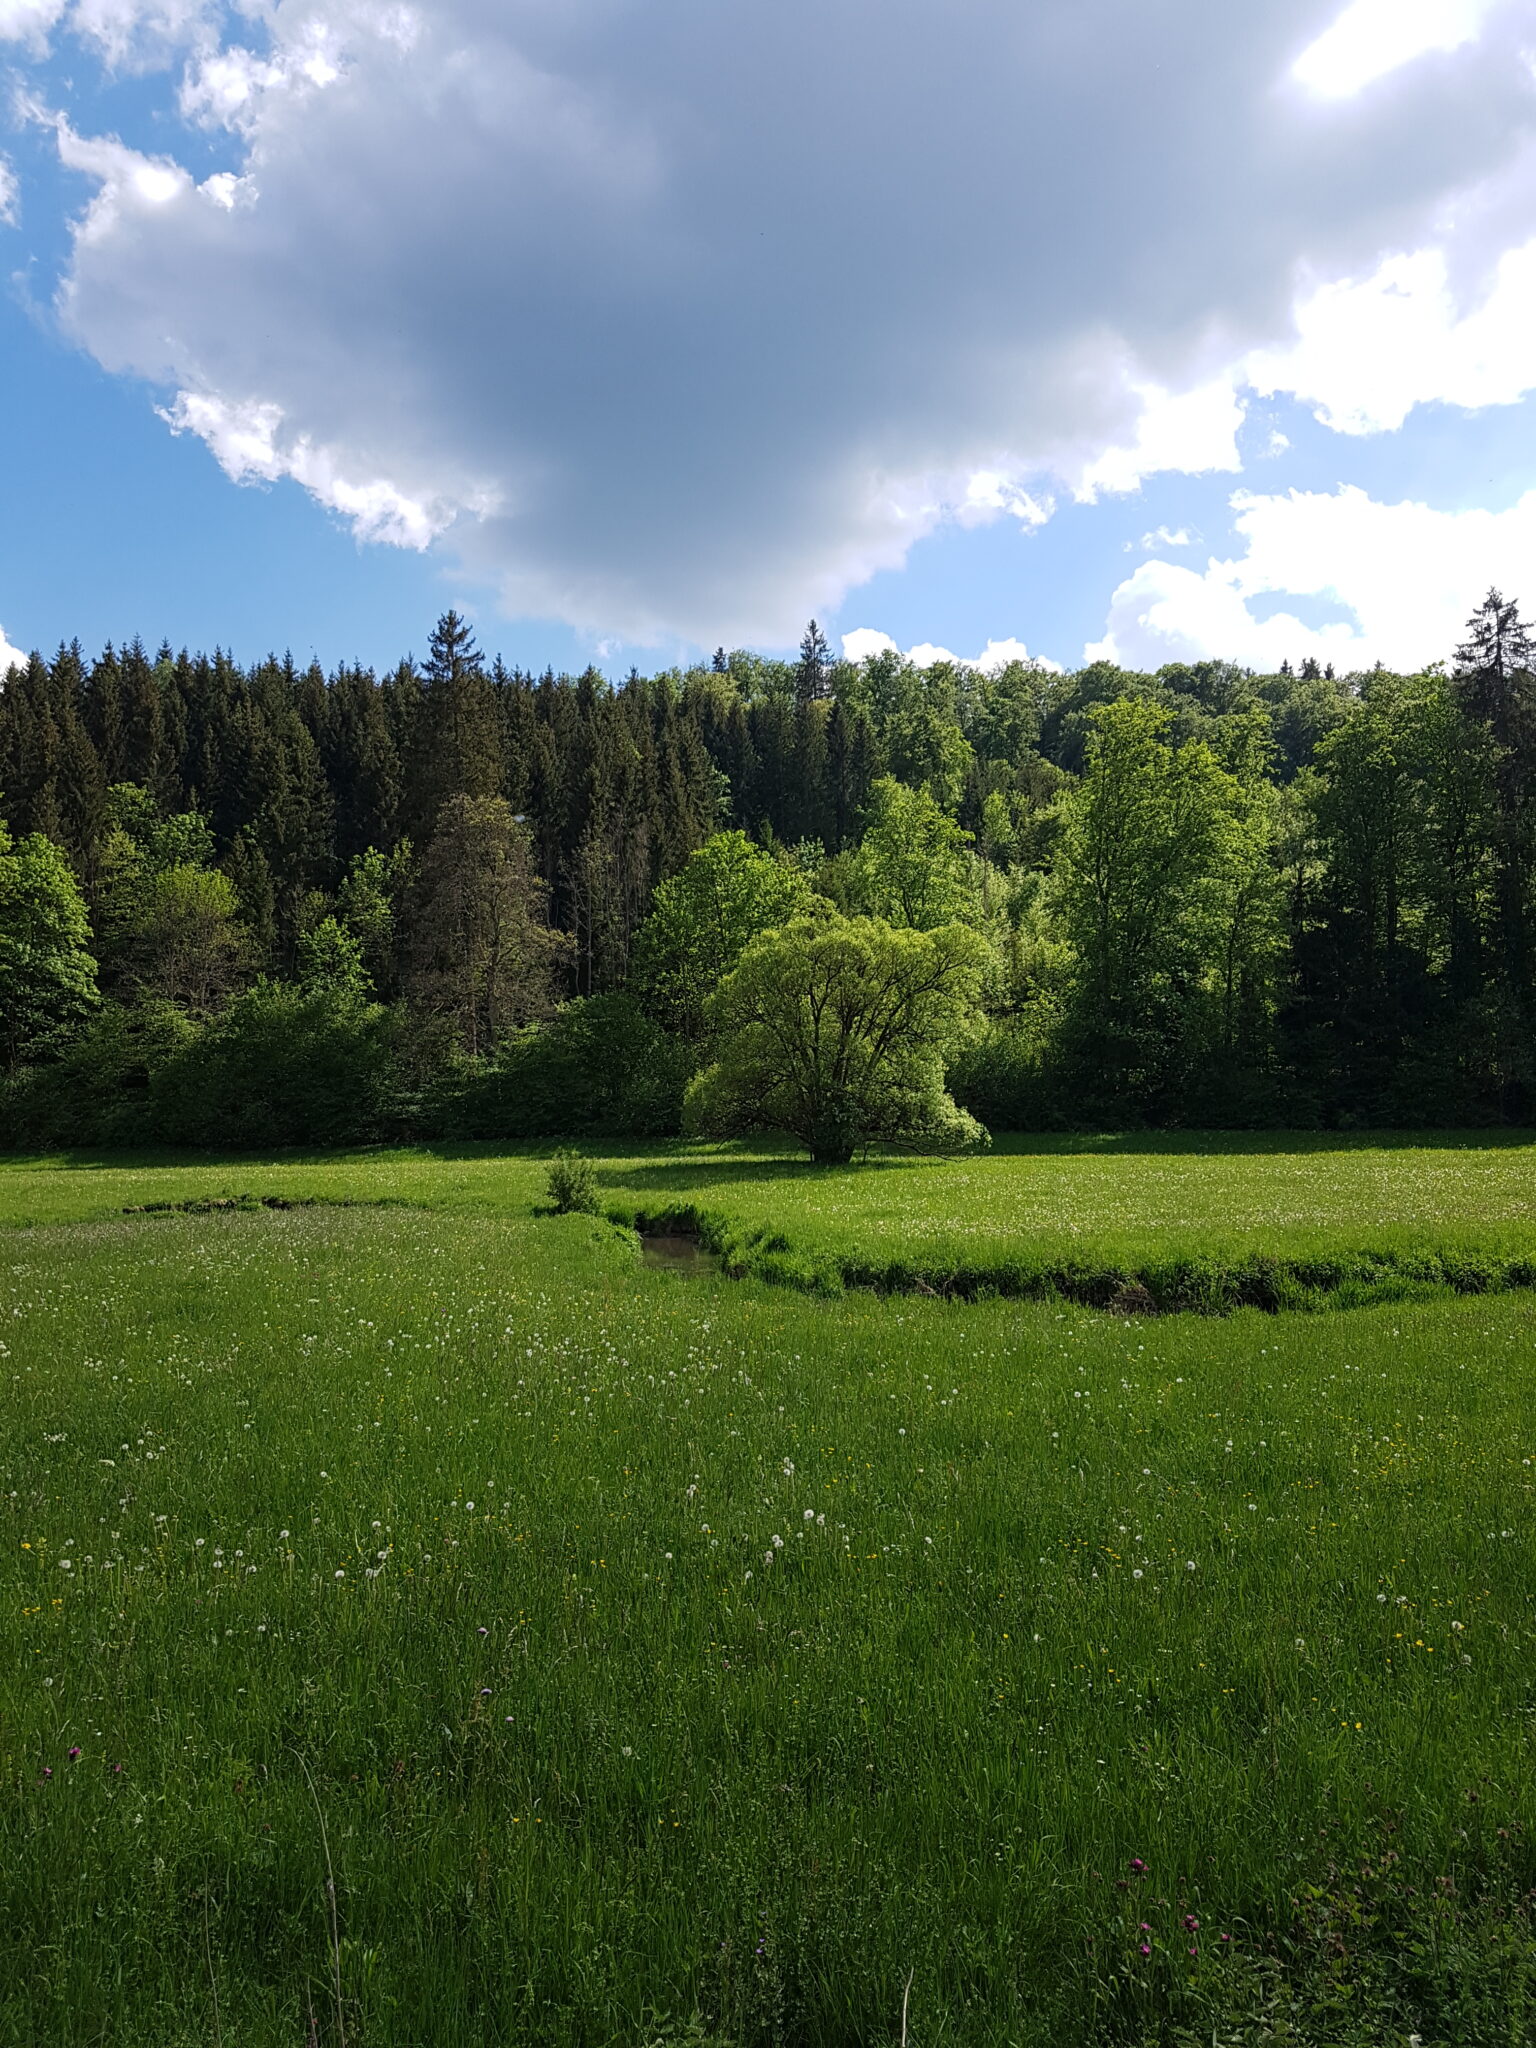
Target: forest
{"x":267,"y":905}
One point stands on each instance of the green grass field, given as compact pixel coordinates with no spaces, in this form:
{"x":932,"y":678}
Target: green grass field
{"x":427,"y":1625}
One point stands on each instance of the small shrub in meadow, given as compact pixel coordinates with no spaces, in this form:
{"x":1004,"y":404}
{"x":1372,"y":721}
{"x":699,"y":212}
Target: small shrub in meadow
{"x":572,"y":1185}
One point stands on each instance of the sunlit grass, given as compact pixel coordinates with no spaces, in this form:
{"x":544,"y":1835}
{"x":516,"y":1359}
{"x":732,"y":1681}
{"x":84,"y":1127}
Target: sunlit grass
{"x":444,"y":1544}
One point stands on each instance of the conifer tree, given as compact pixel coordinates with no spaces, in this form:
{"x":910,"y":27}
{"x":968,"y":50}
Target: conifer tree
{"x":812,"y":675}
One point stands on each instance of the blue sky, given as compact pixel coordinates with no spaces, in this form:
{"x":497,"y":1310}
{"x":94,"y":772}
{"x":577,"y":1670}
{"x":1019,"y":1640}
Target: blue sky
{"x":1083,"y":327}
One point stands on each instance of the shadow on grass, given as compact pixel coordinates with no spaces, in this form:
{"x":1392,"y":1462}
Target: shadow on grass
{"x":664,"y":1163}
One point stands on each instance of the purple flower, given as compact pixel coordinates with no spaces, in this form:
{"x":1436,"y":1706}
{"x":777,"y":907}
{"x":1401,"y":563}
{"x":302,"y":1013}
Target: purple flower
{"x":115,"y":1769}
{"x":47,"y":1770}
{"x":1146,"y":1948}
{"x":1191,"y":1922}
{"x":73,"y":1754}
{"x":1138,"y":1868}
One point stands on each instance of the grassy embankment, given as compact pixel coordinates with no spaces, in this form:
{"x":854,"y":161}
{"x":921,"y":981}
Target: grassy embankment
{"x":431,"y":1553}
{"x":1197,"y":1222}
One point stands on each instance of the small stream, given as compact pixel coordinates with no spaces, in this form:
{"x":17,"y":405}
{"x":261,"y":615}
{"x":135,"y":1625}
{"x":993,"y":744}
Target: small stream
{"x":678,"y":1251}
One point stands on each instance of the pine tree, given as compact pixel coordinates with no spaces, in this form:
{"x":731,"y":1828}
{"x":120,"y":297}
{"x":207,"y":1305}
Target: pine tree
{"x":1495,"y":686}
{"x":462,"y":755}
{"x":812,"y":675}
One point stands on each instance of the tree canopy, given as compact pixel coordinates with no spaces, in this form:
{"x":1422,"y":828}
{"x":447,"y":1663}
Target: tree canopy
{"x":835,"y":1030}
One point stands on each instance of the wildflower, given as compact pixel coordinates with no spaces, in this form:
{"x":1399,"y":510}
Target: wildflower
{"x":810,"y":1514}
{"x":47,"y":1770}
{"x":341,"y":1575}
{"x":482,"y":1631}
{"x":1190,"y":1923}
{"x":485,"y":1692}
{"x":1138,"y":1868}
{"x":1146,"y":1948}
{"x":1190,"y":1566}
{"x":73,"y":1754}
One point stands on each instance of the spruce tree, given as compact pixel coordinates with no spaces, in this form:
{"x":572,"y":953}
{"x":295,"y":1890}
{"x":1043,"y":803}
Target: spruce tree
{"x":812,"y":674}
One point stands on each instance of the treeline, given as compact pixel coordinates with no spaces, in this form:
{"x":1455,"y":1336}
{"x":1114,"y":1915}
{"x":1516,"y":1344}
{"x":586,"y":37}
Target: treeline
{"x":269,"y":905}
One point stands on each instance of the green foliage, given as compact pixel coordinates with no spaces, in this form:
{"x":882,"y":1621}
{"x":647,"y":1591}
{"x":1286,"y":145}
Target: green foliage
{"x":97,"y":1092}
{"x":170,"y":920}
{"x":836,"y":1030}
{"x":367,"y":904}
{"x":703,"y":918}
{"x":572,"y":1185}
{"x":600,"y":1065}
{"x":47,"y":973}
{"x":480,"y":957}
{"x":913,"y":865}
{"x":1169,"y":895}
{"x":1283,"y":896}
{"x":331,"y":962}
{"x":281,"y":1066}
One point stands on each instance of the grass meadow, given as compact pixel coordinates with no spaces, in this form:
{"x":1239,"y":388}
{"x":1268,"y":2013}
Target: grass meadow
{"x":426,"y":1624}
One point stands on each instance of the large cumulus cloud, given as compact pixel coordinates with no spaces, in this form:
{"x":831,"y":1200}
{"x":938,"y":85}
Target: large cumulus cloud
{"x":682,"y":317}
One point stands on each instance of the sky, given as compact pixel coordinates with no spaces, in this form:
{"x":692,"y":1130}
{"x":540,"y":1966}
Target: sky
{"x":1144,"y":330}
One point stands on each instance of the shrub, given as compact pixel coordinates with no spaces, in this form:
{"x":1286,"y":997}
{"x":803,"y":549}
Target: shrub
{"x":601,"y":1067}
{"x":572,"y":1185}
{"x":98,"y":1091}
{"x":281,"y":1066}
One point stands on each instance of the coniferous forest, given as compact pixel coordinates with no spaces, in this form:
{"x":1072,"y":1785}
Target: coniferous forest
{"x":273,"y":906}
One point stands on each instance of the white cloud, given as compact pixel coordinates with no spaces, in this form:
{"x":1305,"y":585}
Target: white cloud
{"x":10,"y":657}
{"x":123,"y":32}
{"x":992,"y":494}
{"x":29,"y":21}
{"x":1161,"y":537}
{"x":250,"y":444}
{"x":647,"y":314}
{"x":1190,"y":431}
{"x":1001,"y":653}
{"x":864,"y":641}
{"x":1407,"y":575}
{"x":9,"y":194}
{"x":1369,"y":350}
{"x":1372,"y":38}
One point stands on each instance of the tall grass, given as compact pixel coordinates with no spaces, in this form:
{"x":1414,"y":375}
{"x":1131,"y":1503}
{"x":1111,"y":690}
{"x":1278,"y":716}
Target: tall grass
{"x":468,"y":1636}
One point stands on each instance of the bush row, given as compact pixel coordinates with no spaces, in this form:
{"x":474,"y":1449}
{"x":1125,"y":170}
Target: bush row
{"x":288,"y":1066}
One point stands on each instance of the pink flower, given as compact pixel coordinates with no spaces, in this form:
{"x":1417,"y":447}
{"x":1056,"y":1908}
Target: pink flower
{"x":1146,"y":1948}
{"x":1138,"y":1868}
{"x":73,"y":1754}
{"x":1191,"y":1922}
